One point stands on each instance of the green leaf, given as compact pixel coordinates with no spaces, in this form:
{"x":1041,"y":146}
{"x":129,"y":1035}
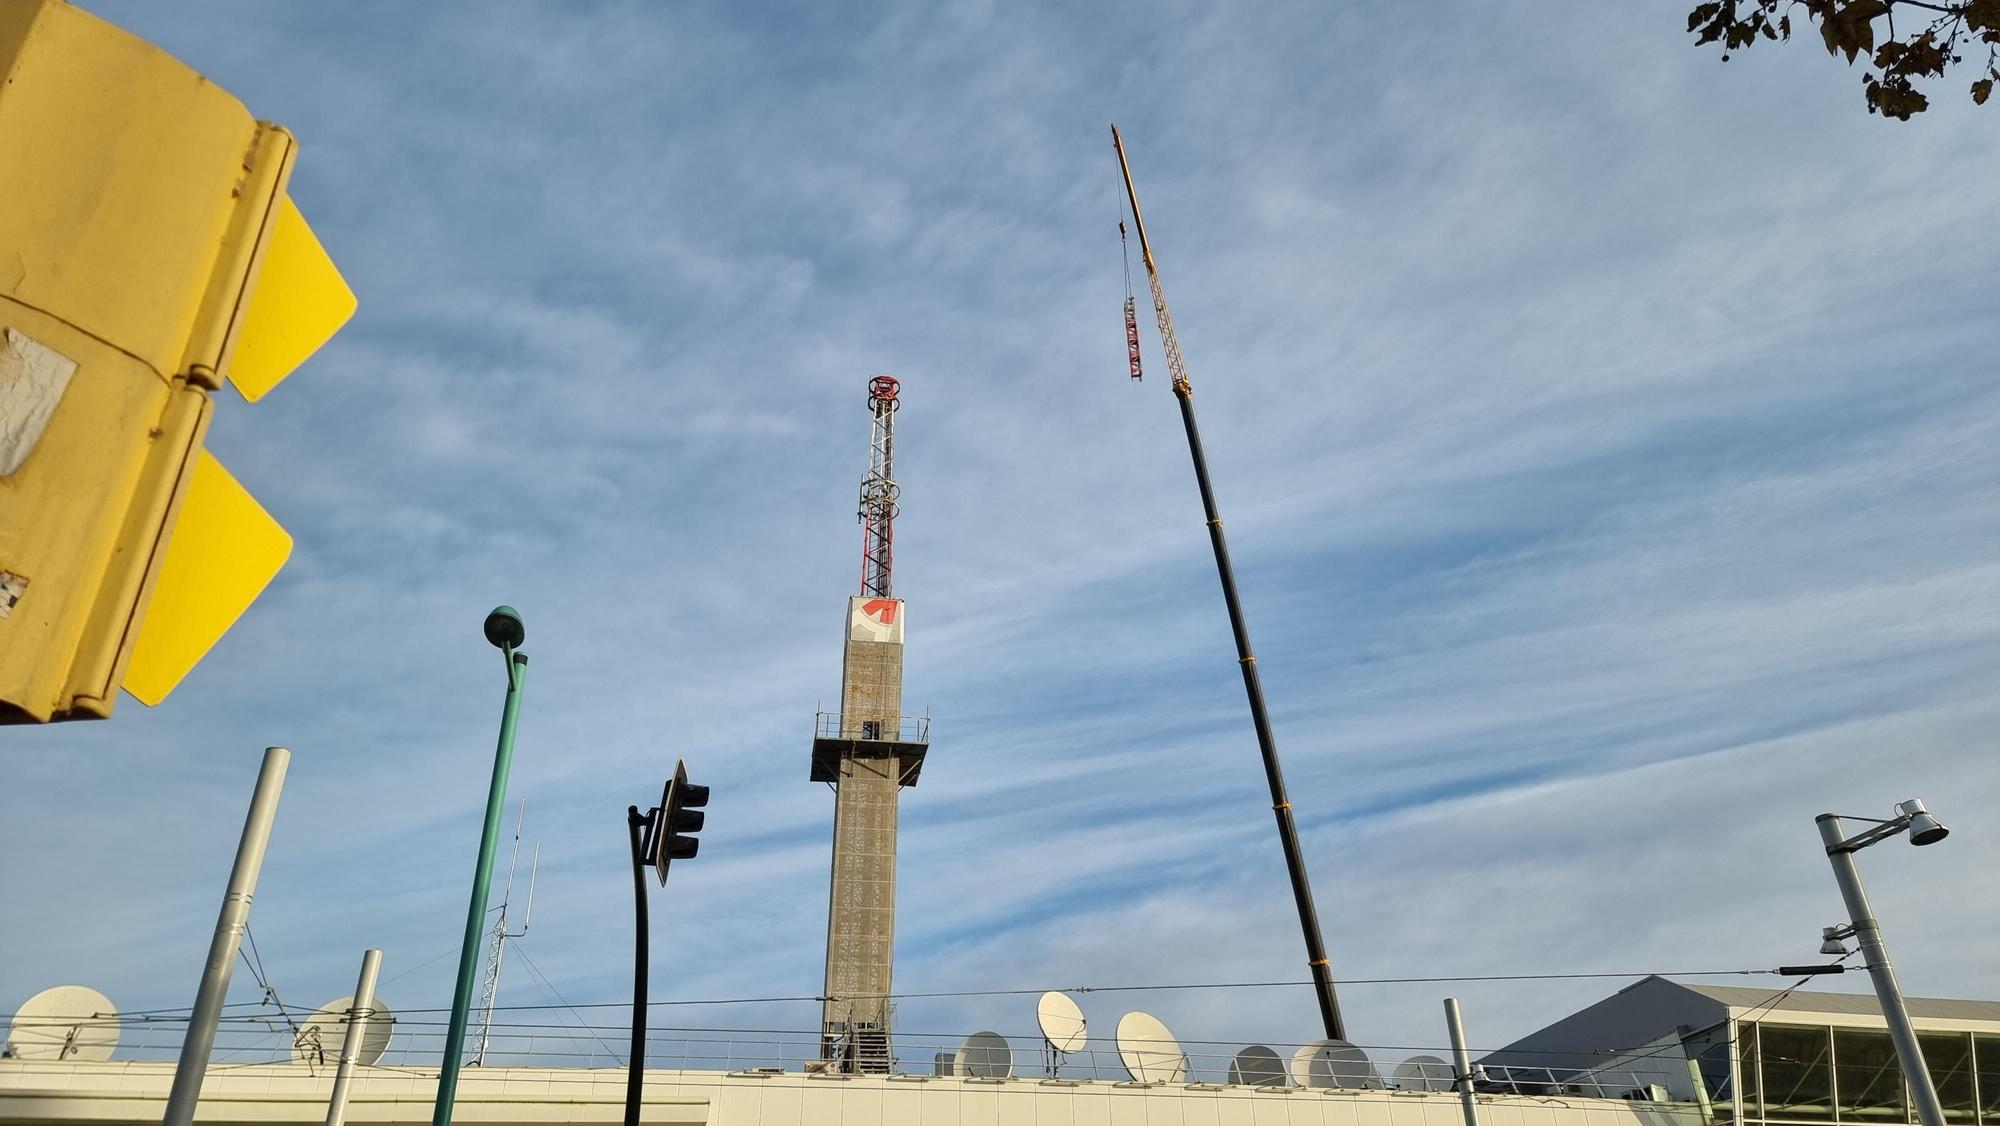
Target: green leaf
{"x":1981,"y":90}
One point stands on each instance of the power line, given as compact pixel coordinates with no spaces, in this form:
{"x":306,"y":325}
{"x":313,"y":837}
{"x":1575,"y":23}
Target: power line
{"x":816,"y":998}
{"x":1036,"y":991}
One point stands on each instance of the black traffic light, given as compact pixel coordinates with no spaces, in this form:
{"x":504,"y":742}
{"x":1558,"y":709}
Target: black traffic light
{"x":678,"y":818}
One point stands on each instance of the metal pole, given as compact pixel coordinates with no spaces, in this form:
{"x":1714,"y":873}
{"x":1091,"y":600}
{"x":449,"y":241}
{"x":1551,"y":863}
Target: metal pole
{"x":1869,"y":934}
{"x":357,"y":1027}
{"x":482,"y":879}
{"x":635,"y":1060}
{"x":222,"y":948}
{"x":1281,"y":805}
{"x":1461,"y":1062}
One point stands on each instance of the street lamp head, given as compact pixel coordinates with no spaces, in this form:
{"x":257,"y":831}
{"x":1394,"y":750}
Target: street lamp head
{"x":1831,"y":941}
{"x":1924,"y":829}
{"x":504,"y":629}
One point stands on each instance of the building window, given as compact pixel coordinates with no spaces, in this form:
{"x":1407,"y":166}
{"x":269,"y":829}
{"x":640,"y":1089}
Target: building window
{"x":1988,"y":1055}
{"x":1868,"y":1076}
{"x":1797,"y":1073}
{"x":871,"y":729}
{"x":1948,"y":1057}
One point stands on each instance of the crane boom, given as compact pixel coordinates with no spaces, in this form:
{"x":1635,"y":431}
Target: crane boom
{"x":1169,"y":343}
{"x":1281,"y":806}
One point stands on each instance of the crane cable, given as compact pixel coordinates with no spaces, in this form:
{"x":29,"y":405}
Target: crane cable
{"x":1131,"y":308}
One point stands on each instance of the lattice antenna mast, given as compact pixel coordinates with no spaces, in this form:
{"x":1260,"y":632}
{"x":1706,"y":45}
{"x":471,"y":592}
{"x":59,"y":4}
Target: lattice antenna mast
{"x":489,"y":992}
{"x":878,"y":491}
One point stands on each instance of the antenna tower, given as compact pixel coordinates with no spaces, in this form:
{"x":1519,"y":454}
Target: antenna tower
{"x":489,"y":992}
{"x":878,"y":491}
{"x":868,"y":751}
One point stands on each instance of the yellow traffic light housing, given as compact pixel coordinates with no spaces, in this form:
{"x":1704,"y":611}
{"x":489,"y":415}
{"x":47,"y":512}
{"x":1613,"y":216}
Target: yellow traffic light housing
{"x":148,"y":253}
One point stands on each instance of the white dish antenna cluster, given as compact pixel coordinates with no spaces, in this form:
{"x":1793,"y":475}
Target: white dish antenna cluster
{"x":69,"y":1022}
{"x":321,"y":1035}
{"x":1151,"y":1054}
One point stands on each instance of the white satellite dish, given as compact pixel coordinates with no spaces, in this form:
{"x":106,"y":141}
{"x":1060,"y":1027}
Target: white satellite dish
{"x":69,"y":1022}
{"x":1333,"y":1063}
{"x":984,"y":1055}
{"x":320,"y":1036}
{"x":1257,"y":1066}
{"x":1423,"y":1073}
{"x":1062,"y":1022}
{"x":1149,"y":1051}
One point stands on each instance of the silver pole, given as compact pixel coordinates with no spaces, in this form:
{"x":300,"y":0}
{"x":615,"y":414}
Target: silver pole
{"x":1866,"y":931}
{"x":1461,"y":1062}
{"x":1701,"y":1096}
{"x":357,"y":1027}
{"x":200,"y":1041}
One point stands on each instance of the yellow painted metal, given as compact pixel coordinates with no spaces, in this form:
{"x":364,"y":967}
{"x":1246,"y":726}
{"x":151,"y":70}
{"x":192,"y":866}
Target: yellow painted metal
{"x":212,"y":338}
{"x":299,"y":302}
{"x":146,"y":234}
{"x":120,"y":171}
{"x":225,"y":550}
{"x":122,"y":598}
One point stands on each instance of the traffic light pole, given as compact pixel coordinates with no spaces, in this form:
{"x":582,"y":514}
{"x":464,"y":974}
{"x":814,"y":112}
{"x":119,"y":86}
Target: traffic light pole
{"x":635,"y":1061}
{"x":482,"y":880}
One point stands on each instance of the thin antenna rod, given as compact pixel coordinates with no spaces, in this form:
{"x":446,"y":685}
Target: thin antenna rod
{"x":528,"y":916}
{"x":1281,"y":806}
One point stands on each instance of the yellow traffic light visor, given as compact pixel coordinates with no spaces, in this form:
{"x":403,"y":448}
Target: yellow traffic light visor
{"x":224,"y":550}
{"x":298,"y":303}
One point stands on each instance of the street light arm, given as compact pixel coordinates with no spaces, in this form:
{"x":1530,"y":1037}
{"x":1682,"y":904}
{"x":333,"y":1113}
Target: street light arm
{"x":1882,"y":831}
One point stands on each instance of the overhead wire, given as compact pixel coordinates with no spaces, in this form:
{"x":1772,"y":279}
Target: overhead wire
{"x":563,"y":1003}
{"x":551,"y":988}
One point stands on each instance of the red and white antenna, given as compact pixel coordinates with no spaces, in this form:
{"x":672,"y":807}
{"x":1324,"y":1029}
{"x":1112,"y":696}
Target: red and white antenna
{"x":878,"y":491}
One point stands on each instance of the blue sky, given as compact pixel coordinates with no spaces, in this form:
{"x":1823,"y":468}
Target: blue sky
{"x":1606,"y":437}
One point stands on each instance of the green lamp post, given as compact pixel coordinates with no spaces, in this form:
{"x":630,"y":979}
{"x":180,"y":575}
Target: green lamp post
{"x":505,"y":631}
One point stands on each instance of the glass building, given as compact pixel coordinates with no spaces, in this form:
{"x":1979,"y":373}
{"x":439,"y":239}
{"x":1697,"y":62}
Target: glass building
{"x":1752,"y":1056}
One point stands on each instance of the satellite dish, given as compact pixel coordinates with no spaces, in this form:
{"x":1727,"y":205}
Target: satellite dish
{"x":1333,"y":1063}
{"x":985,"y":1055}
{"x":1423,"y":1073}
{"x":321,"y":1035}
{"x":1257,"y":1066}
{"x":69,"y":1022}
{"x":1062,"y":1022}
{"x":1149,"y":1051}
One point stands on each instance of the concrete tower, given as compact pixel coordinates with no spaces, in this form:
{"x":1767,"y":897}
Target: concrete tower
{"x":868,"y":751}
